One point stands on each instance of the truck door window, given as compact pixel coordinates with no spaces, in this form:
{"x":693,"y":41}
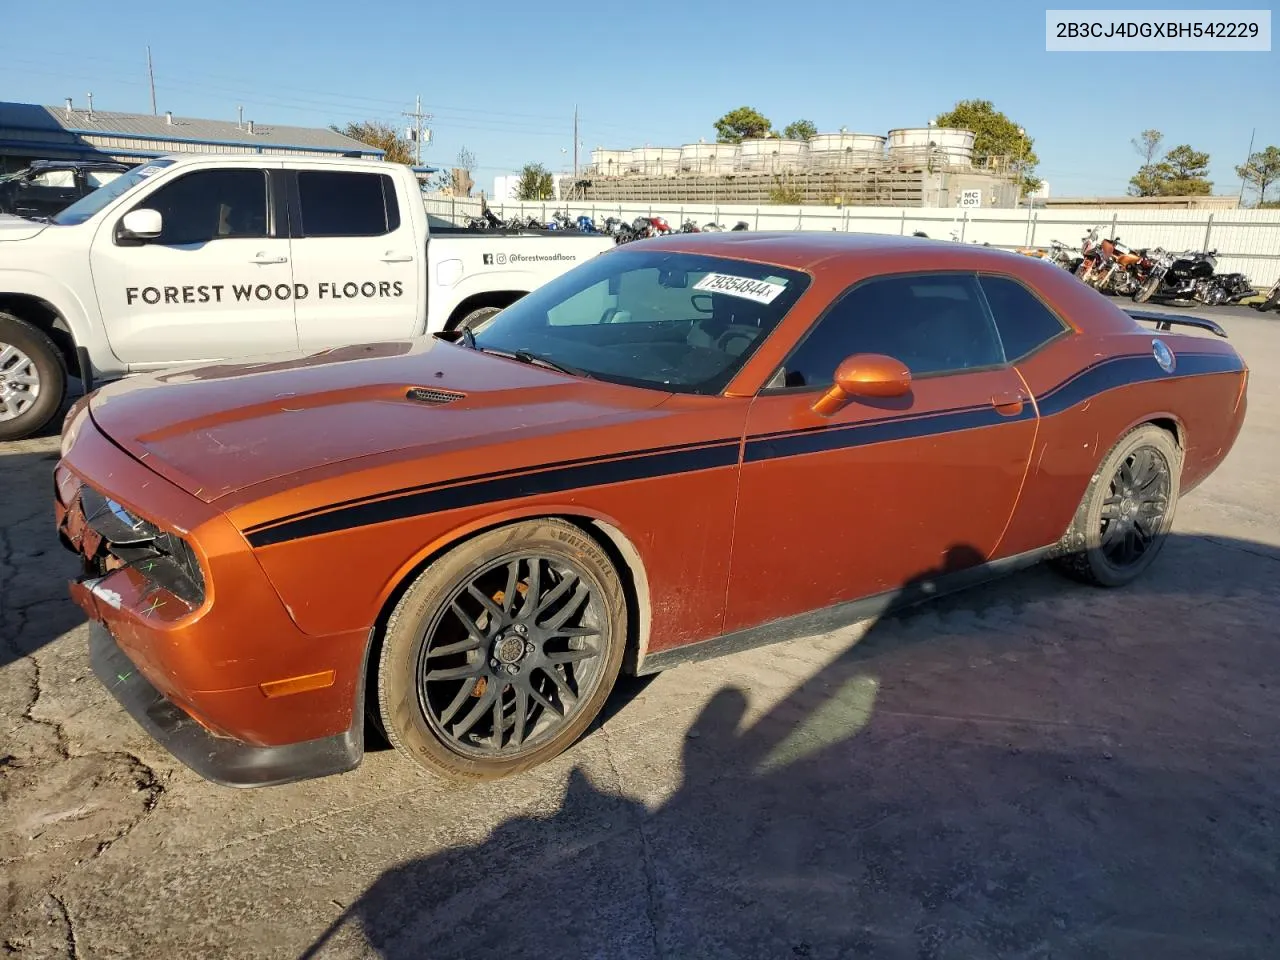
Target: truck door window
{"x":211,"y":205}
{"x":343,"y":204}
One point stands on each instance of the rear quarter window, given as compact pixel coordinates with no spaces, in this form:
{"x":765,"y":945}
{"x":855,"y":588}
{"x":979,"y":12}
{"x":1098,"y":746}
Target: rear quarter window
{"x":1024,"y":322}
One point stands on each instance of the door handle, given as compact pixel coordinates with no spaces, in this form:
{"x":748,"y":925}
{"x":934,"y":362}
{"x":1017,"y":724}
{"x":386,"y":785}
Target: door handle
{"x":1009,"y":403}
{"x":390,"y":257}
{"x":263,"y":258}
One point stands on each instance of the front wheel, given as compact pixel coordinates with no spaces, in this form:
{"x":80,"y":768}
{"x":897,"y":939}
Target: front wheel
{"x":1127,"y":510}
{"x":32,"y":379}
{"x":1147,"y":290}
{"x":502,"y":652}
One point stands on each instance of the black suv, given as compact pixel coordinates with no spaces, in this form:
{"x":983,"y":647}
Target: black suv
{"x":48,"y":186}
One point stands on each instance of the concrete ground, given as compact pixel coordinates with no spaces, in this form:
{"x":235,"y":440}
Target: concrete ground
{"x":1033,"y":769}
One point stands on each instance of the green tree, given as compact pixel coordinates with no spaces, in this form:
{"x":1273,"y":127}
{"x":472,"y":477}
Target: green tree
{"x":800,"y":130}
{"x":381,"y":135}
{"x":744,"y":123}
{"x":995,"y":135}
{"x":1260,"y":171}
{"x":1147,"y":144}
{"x":1147,"y":182}
{"x":535,"y":183}
{"x":1184,"y":173}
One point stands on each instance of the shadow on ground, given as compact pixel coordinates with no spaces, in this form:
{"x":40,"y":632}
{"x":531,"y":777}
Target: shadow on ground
{"x":933,"y":792}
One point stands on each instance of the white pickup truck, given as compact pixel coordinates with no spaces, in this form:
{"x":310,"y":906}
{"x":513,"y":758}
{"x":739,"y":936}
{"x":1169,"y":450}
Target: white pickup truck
{"x":185,"y":260}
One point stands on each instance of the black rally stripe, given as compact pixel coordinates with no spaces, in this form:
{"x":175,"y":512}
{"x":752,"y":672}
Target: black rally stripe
{"x":568,"y":475}
{"x":1121,"y":371}
{"x":878,"y":431}
{"x":491,"y":475}
{"x":455,"y":497}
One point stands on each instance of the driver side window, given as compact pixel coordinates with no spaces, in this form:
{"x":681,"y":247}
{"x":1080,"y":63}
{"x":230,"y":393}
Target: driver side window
{"x":934,"y":323}
{"x":211,"y":205}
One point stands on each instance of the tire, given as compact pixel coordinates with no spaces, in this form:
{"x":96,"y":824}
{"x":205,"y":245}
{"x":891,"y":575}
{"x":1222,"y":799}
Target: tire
{"x":1093,"y":554}
{"x":476,"y":319}
{"x":1146,"y":291}
{"x":446,"y":725}
{"x":1271,"y":303}
{"x":26,"y":355}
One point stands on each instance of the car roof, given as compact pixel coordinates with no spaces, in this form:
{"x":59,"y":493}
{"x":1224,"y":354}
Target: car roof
{"x":806,"y":250}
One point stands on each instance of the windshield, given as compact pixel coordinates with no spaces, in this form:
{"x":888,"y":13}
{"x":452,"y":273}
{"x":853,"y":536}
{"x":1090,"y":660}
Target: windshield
{"x":680,"y":322}
{"x":91,"y":203}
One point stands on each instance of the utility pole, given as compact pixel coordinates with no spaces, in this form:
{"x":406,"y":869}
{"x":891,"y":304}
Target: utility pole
{"x":151,"y":77}
{"x":575,"y":147}
{"x":418,"y":116}
{"x":1247,"y":157}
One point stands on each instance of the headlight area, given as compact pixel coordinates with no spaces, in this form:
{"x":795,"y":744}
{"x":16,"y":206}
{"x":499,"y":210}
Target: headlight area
{"x":164,"y":571}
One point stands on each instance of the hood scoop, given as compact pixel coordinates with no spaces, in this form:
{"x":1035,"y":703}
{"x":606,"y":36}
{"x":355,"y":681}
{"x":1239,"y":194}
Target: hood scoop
{"x":433,"y":395}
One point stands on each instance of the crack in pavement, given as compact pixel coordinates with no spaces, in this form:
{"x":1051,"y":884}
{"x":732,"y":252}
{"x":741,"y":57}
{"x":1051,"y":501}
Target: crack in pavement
{"x":653,"y":908}
{"x":73,"y":947}
{"x":34,"y":785}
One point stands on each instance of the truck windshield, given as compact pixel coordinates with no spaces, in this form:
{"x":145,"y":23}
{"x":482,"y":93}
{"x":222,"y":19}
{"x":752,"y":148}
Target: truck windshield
{"x":91,"y":203}
{"x":677,"y":322}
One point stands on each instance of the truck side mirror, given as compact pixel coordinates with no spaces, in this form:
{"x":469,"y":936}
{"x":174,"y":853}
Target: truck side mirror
{"x":143,"y":224}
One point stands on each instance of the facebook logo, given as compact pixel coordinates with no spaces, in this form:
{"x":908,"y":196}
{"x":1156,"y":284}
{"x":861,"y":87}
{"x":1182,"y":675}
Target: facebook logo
{"x":488,"y":259}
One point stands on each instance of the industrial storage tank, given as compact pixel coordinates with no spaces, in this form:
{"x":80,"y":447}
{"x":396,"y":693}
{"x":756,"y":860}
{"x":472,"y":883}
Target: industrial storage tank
{"x":846,"y":149}
{"x":788,"y":154}
{"x":946,"y":145}
{"x":753,"y":154}
{"x":699,"y":157}
{"x":653,"y":161}
{"x":609,"y":163}
{"x":668,"y":161}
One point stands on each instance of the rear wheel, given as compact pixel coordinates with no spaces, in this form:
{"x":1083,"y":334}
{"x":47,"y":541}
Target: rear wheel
{"x":32,"y":379}
{"x":1127,"y":510}
{"x":502,"y":652}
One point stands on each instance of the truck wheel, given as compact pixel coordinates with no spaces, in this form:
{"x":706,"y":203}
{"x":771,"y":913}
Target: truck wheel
{"x":502,"y":652}
{"x":476,"y":319}
{"x":32,"y":379}
{"x":1126,"y":512}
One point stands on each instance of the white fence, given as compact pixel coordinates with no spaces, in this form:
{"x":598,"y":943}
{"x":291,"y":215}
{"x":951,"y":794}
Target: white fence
{"x":1247,"y":241}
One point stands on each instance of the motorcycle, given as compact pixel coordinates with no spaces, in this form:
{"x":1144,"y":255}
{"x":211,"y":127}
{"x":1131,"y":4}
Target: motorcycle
{"x":1057,"y":253}
{"x":586,"y":224}
{"x":1117,"y":274}
{"x":619,"y":229}
{"x":1087,"y":266}
{"x":689,"y":227}
{"x":741,"y":225}
{"x":1271,"y":301}
{"x":713,"y":227}
{"x":1192,"y":276}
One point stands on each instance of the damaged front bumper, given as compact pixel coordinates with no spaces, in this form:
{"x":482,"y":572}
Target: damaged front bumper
{"x":226,"y":761}
{"x":190,"y":637}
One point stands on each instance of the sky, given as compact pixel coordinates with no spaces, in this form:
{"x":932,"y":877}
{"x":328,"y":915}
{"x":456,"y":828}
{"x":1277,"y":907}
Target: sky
{"x":503,"y":78}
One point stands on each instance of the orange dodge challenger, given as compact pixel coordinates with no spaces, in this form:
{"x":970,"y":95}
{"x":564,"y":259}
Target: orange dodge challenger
{"x":684,"y":446}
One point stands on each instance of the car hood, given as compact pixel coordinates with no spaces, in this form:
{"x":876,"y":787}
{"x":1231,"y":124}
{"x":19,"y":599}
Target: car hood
{"x":19,"y":228}
{"x":217,"y":429}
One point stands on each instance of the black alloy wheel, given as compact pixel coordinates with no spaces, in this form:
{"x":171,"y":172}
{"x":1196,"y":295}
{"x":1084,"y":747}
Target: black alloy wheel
{"x":1133,"y":512}
{"x":1127,"y":510}
{"x":499,"y":655}
{"x":510,"y":656}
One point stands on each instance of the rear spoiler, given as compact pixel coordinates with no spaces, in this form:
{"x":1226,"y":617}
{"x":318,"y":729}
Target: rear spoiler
{"x":1166,"y":321}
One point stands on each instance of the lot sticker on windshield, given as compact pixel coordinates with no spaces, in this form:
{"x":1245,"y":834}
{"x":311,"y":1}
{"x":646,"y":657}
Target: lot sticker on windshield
{"x":747,"y":287}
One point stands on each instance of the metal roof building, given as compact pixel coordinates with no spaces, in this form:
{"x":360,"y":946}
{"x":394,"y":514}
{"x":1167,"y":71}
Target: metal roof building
{"x":33,"y":132}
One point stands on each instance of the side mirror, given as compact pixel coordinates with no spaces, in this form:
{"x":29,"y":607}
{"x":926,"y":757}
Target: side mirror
{"x":144,"y":224}
{"x":864,"y":375}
